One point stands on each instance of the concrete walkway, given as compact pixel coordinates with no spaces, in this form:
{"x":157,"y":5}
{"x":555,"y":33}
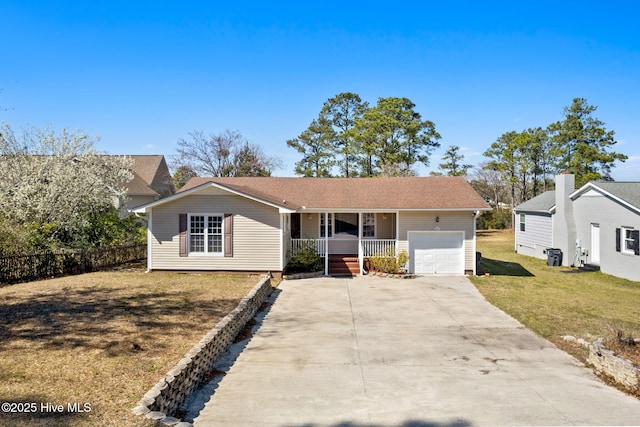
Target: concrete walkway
{"x":425,"y":352}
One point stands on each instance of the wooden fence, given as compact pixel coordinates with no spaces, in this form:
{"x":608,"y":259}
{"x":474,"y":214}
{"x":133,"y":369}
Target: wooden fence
{"x":25,"y":268}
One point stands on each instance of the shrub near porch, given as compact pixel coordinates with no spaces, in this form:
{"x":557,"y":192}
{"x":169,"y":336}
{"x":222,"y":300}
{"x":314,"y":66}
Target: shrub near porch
{"x":389,"y":264}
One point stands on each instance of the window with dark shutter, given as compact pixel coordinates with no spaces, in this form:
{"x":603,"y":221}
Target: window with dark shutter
{"x":183,"y":234}
{"x":618,"y":233}
{"x":228,"y":235}
{"x":635,"y":235}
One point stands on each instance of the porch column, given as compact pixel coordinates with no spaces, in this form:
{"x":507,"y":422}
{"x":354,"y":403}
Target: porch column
{"x":360,"y":251}
{"x":398,"y":232}
{"x":326,"y":243}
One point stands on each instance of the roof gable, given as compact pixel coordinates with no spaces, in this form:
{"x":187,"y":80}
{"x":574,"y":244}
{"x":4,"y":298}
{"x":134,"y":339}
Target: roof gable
{"x":146,"y":166}
{"x":138,"y":187}
{"x":626,"y":193}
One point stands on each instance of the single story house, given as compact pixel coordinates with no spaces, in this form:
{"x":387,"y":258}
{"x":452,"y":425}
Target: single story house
{"x":597,"y":224}
{"x":254,"y":224}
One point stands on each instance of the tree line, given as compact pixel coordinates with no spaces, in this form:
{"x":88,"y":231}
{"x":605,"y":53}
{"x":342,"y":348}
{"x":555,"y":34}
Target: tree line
{"x":521,"y":165}
{"x":57,"y":190}
{"x":351,"y":138}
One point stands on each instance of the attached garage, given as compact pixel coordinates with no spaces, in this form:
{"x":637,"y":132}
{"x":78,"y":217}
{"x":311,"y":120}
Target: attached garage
{"x":436,"y":252}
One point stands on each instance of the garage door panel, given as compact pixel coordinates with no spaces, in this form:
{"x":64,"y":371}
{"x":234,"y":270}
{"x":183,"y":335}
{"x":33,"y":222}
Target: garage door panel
{"x":436,"y":252}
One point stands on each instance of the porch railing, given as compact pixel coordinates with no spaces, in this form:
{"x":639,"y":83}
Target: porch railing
{"x":299,"y":244}
{"x":378,"y":247}
{"x":370,"y":247}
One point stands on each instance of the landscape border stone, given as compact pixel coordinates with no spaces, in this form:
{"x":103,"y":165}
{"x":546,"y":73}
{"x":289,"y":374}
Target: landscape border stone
{"x":164,"y":401}
{"x":619,"y":368}
{"x":296,"y":276}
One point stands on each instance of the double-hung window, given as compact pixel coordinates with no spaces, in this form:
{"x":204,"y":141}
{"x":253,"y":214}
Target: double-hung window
{"x":322,"y":225}
{"x":206,"y":234}
{"x":628,"y":241}
{"x":368,"y":225}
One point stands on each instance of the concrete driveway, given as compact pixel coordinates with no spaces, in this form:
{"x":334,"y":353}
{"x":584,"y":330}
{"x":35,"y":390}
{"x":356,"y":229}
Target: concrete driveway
{"x":430,"y":351}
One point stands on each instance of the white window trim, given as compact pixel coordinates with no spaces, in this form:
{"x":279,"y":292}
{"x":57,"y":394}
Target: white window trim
{"x":332,"y":231}
{"x":321,"y":225}
{"x":206,"y":240}
{"x":375,"y":225}
{"x":624,"y":239}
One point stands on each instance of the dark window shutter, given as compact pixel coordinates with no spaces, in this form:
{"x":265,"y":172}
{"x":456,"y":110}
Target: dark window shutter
{"x":635,"y":234}
{"x":183,"y":235}
{"x":228,"y":235}
{"x":617,"y":240}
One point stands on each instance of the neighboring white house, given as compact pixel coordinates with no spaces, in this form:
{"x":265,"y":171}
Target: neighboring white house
{"x":253,"y":224}
{"x":597,"y":224}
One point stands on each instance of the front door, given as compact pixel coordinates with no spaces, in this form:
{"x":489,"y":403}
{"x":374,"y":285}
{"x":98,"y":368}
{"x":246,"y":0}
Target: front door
{"x":595,"y":243}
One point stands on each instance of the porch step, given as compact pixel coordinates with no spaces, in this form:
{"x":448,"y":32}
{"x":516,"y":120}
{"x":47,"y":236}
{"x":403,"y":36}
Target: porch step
{"x":343,"y":265}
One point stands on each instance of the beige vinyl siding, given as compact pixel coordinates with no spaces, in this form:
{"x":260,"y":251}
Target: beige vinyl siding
{"x":310,"y":225}
{"x":256,"y":233}
{"x":449,"y":221}
{"x":385,"y":228}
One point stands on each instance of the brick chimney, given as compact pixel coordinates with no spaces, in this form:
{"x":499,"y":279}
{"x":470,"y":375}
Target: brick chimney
{"x":564,"y":225}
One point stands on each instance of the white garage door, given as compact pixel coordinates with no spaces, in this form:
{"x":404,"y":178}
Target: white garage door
{"x":436,"y":252}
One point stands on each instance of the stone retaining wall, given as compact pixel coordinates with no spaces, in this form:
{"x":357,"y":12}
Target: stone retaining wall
{"x":164,"y":400}
{"x":606,"y":361}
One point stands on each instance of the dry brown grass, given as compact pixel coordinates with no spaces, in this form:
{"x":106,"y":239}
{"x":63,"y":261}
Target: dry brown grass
{"x":103,"y":338}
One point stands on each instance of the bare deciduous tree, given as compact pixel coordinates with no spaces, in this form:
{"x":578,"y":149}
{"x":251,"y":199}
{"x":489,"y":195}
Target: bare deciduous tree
{"x":224,"y":154}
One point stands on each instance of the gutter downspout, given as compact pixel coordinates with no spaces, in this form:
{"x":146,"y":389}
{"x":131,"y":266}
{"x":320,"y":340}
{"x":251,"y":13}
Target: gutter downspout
{"x":150,"y":242}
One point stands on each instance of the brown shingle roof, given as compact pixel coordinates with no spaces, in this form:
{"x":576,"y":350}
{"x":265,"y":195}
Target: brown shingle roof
{"x":138,"y":187}
{"x":146,"y":166}
{"x":437,"y":192}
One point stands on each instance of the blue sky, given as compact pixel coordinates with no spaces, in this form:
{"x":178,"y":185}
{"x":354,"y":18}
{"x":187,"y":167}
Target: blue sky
{"x":141,"y":74}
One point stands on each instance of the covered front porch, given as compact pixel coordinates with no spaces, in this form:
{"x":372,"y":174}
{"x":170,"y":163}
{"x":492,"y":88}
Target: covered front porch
{"x":345,"y":239}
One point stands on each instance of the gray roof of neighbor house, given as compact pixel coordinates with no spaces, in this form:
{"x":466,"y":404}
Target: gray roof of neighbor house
{"x":543,"y":203}
{"x":628,"y":192}
{"x":438,"y":192}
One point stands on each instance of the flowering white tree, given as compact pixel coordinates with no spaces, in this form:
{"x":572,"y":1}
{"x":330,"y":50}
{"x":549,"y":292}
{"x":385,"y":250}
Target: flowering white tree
{"x":57,"y":179}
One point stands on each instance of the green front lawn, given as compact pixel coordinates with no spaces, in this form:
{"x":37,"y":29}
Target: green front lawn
{"x":555,"y":301}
